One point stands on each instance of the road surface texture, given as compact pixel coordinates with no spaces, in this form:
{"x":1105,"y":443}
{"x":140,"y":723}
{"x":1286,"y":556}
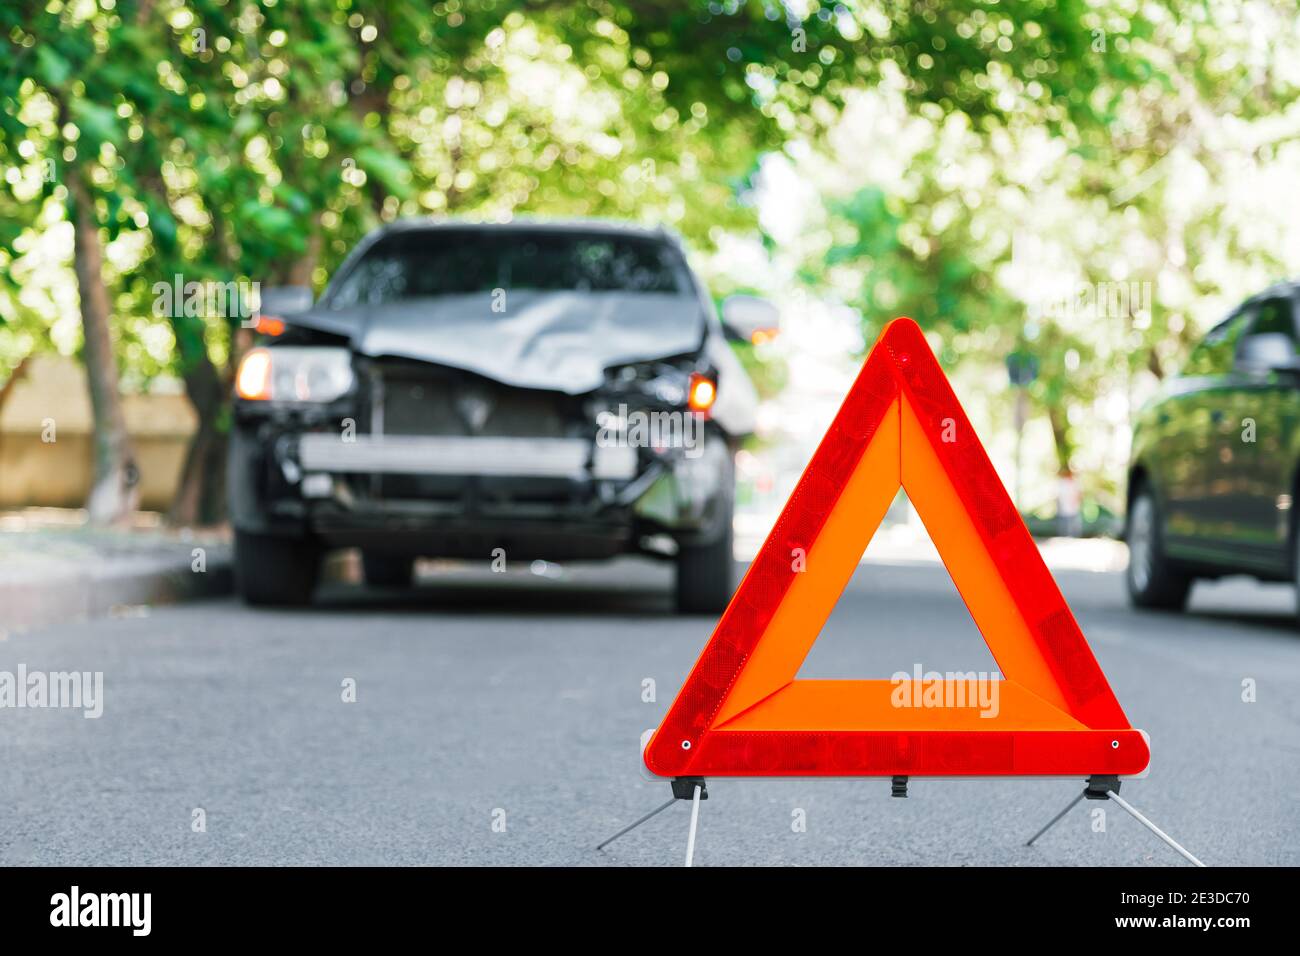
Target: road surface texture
{"x":497,"y":719}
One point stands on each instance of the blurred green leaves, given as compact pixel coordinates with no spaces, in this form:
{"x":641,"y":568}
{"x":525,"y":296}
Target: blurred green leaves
{"x":261,"y":141}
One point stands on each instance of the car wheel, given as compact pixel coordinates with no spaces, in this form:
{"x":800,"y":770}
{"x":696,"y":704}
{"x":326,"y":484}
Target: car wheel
{"x":1295,"y":564}
{"x":270,"y":569}
{"x":1152,"y":580}
{"x":705,"y":573}
{"x":387,"y":570}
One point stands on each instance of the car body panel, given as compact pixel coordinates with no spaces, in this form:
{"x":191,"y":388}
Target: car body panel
{"x":736,"y":408}
{"x":1219,"y":446}
{"x":548,"y":340}
{"x":453,"y":392}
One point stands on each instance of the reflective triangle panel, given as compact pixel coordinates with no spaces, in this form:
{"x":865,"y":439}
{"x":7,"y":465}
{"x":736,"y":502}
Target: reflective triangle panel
{"x":741,"y":711}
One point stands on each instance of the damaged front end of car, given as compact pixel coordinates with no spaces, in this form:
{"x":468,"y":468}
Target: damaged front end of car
{"x":402,"y":456}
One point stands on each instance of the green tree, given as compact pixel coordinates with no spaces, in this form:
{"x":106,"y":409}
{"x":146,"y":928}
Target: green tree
{"x":64,"y":115}
{"x":1016,"y":229}
{"x":256,"y":142}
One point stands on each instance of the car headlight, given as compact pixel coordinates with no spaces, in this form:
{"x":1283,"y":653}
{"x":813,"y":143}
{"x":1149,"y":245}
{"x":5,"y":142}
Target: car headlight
{"x":659,"y":383}
{"x":701,"y":393}
{"x":659,"y":406}
{"x":314,"y":374}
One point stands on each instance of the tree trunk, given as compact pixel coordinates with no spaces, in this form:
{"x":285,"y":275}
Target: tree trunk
{"x":20,"y":370}
{"x":1056,"y":415}
{"x":115,"y":492}
{"x":300,"y":271}
{"x":1153,"y":364}
{"x":201,"y":493}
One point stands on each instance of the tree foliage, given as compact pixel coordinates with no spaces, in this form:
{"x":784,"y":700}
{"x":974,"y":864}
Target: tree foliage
{"x":232,"y":140}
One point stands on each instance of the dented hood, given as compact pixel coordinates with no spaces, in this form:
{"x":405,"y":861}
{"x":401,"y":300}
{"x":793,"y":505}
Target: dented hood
{"x":553,"y":340}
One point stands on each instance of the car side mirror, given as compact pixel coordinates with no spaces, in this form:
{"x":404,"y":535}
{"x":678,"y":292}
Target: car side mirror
{"x":285,"y":300}
{"x":747,"y":318}
{"x":1268,"y":352}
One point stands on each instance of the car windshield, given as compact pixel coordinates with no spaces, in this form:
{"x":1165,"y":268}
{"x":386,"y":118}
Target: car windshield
{"x":418,"y":264}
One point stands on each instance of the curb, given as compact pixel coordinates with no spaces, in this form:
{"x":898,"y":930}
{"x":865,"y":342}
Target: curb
{"x":45,"y":600}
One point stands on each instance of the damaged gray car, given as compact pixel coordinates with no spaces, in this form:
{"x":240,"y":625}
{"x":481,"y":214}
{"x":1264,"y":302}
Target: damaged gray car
{"x":496,"y":393}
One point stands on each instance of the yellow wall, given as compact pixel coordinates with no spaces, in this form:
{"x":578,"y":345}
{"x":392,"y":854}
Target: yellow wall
{"x":58,"y":473}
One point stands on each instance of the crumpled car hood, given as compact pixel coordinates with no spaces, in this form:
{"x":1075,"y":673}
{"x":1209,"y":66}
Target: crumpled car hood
{"x":562,"y":341}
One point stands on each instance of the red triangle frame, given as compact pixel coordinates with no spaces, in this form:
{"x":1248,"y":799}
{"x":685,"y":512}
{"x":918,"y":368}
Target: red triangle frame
{"x":742,"y":713}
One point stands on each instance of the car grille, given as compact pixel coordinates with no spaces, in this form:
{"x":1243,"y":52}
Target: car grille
{"x":419,"y":400}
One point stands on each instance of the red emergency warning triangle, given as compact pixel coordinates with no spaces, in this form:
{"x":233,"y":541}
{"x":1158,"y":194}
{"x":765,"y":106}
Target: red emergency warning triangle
{"x":741,"y":711}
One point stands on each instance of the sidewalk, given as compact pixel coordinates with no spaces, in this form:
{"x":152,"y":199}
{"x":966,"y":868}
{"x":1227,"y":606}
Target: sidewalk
{"x":50,"y":573}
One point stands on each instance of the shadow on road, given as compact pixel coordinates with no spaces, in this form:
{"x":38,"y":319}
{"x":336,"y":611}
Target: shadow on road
{"x":1284,"y":625}
{"x":625,"y":587}
{"x":1261,"y":607}
{"x":499,"y":599}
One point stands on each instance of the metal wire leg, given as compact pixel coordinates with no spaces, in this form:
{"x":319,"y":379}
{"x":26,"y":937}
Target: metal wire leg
{"x":1055,"y":819}
{"x":1154,"y":829}
{"x":695,"y":820}
{"x":630,"y":828}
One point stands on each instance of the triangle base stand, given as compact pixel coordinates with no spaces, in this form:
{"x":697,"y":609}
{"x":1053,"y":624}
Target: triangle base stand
{"x":693,"y":789}
{"x":1104,"y":787}
{"x":1097,"y":787}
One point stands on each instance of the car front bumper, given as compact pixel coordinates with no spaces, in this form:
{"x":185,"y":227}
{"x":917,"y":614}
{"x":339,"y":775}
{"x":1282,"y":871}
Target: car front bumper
{"x":564,"y":458}
{"x":459,"y":496}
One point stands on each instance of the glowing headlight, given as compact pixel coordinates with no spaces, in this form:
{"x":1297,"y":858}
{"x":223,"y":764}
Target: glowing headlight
{"x":702,"y":393}
{"x":294,"y":374}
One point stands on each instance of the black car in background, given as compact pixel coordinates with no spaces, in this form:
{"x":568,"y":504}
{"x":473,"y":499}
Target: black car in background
{"x":502,"y":393}
{"x":1212,"y":479}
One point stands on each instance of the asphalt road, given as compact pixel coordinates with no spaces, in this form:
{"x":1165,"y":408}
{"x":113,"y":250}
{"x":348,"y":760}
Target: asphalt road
{"x":516,"y":699}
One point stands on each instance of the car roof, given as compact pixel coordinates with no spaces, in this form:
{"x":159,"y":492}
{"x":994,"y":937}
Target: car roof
{"x":520,"y":224}
{"x":1288,"y":288}
{"x":577,"y":226}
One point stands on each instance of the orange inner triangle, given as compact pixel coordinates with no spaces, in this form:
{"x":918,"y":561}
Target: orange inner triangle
{"x":767,"y":697}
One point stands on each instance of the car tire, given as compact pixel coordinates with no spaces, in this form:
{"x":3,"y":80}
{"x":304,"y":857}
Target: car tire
{"x":1295,"y":564}
{"x":275,"y":570}
{"x":387,"y":570}
{"x":705,"y":576}
{"x":1153,"y":581}
{"x":705,"y":572}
